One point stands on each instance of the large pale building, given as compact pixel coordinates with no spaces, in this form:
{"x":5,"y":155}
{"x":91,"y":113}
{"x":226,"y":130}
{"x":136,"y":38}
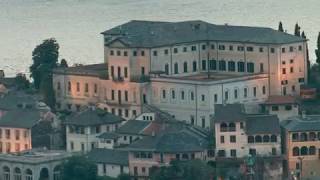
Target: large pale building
{"x":185,"y":68}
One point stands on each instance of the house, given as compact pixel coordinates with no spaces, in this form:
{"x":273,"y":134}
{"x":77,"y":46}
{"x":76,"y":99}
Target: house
{"x":131,"y":131}
{"x":82,"y":128}
{"x":110,"y":163}
{"x":282,"y":106}
{"x":301,"y":136}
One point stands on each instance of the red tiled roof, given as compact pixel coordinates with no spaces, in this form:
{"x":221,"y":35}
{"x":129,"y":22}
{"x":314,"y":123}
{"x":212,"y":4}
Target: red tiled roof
{"x":281,"y":100}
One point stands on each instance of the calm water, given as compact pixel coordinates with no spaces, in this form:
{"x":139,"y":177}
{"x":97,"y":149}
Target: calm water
{"x":77,"y":24}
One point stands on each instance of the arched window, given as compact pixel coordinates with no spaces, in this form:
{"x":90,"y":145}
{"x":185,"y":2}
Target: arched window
{"x":250,"y":139}
{"x":166,"y":69}
{"x":273,"y":138}
{"x":194,"y":66}
{"x":232,"y":127}
{"x":258,"y":139}
{"x":57,"y":173}
{"x":176,"y":68}
{"x":303,"y":137}
{"x":223,"y":127}
{"x":231,"y":66}
{"x":304,"y":151}
{"x":266,"y":138}
{"x":295,"y":151}
{"x":17,"y":174}
{"x":29,"y":175}
{"x":6,"y":173}
{"x":295,"y":137}
{"x":222,"y":65}
{"x":312,"y":136}
{"x":185,"y":67}
{"x":312,"y":150}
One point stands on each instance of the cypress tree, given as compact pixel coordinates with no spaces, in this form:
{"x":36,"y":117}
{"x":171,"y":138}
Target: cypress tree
{"x":318,"y":50}
{"x":297,"y":30}
{"x":280,"y":28}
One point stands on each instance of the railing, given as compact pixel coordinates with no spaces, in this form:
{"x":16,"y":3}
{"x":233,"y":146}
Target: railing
{"x":140,"y":79}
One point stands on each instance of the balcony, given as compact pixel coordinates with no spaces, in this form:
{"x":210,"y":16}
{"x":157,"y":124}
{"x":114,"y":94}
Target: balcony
{"x":140,"y":79}
{"x":117,"y":79}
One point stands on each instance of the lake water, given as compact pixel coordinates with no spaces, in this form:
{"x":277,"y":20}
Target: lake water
{"x":76,"y":24}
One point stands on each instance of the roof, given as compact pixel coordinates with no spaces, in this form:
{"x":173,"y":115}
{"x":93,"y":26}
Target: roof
{"x":108,"y":135}
{"x":96,"y":70}
{"x":299,"y":123}
{"x":13,"y":100}
{"x":20,"y":118}
{"x":155,"y":34}
{"x":262,"y":124}
{"x":229,"y":113}
{"x":281,"y":100}
{"x":8,"y":81}
{"x":109,"y":156}
{"x":133,"y":127}
{"x":171,"y":142}
{"x":91,"y":117}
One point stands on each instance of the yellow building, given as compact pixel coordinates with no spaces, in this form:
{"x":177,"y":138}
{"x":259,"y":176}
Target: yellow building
{"x":302,"y":146}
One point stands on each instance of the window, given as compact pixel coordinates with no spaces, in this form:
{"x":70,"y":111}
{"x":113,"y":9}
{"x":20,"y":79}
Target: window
{"x":155,"y":53}
{"x":263,"y":90}
{"x":166,"y":51}
{"x":274,"y":151}
{"x":192,"y":96}
{"x":194,"y":66}
{"x":175,"y":50}
{"x":222,"y":65}
{"x":300,"y":48}
{"x":212,"y":64}
{"x":112,"y":94}
{"x":250,"y":67}
{"x":185,"y":49}
{"x":126,"y":96}
{"x":203,"y":97}
{"x":283,"y":70}
{"x":291,"y":48}
{"x":95,"y":88}
{"x":142,"y":71}
{"x":125,"y":72}
{"x":233,"y":153}
{"x":134,"y":53}
{"x":245,"y":92}
{"x":253,"y":152}
{"x":266,"y":138}
{"x":17,"y":133}
{"x":236,"y":93}
{"x":222,"y":47}
{"x":288,"y":107}
{"x":249,"y":49}
{"x":173,"y":94}
{"x":240,"y":48}
{"x":240,"y":66}
{"x":273,"y":138}
{"x":250,"y":139}
{"x":69,"y":86}
{"x":86,"y":88}
{"x":203,"y":47}
{"x":142,"y":53}
{"x":215,"y":98}
{"x":182,"y":95}
{"x":283,"y":50}
{"x":275,"y":108}
{"x":301,"y":80}
{"x":192,"y":119}
{"x":163,"y":94}
{"x":112,"y":71}
{"x":78,"y":87}
{"x":118,"y":53}
{"x":203,"y":122}
{"x":226,"y":95}
{"x":303,"y":151}
{"x":176,"y":68}
{"x":261,"y":67}
{"x":312,"y":150}
{"x":166,"y":69}
{"x":7,"y":133}
{"x":221,"y":139}
{"x":231,"y":48}
{"x":126,"y":113}
{"x":254,"y":91}
{"x":212,"y":46}
{"x":193,"y":48}
{"x":231,"y":66}
{"x":125,"y":53}
{"x":295,"y":151}
{"x":111,"y":52}
{"x":261,"y":49}
{"x":291,"y":69}
{"x":233,"y":139}
{"x":258,"y":139}
{"x":272,"y":50}
{"x":185,"y":67}
{"x":295,"y":137}
{"x":204,"y":64}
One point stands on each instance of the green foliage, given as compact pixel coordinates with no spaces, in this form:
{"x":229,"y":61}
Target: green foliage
{"x":280,"y":28}
{"x":297,"y":30}
{"x":63,"y":63}
{"x":46,"y":54}
{"x":79,"y":168}
{"x":318,"y":50}
{"x":22,"y":82}
{"x":124,"y":177}
{"x":188,"y":170}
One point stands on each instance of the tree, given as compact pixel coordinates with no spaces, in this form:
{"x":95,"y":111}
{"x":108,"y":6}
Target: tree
{"x":63,"y":63}
{"x":318,"y":50}
{"x":297,"y":30}
{"x":46,"y":53}
{"x":189,"y":170}
{"x":280,"y":28}
{"x":79,"y":168}
{"x":303,"y":35}
{"x":21,"y":81}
